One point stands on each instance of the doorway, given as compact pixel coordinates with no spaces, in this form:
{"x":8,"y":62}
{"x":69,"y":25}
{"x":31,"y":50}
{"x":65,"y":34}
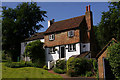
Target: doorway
{"x":62,"y":51}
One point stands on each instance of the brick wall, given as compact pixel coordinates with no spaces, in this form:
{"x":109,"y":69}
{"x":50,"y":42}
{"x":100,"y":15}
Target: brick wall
{"x":100,"y":64}
{"x":62,"y":38}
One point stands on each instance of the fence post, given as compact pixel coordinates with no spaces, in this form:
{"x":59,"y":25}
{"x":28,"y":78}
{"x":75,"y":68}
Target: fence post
{"x":48,"y":64}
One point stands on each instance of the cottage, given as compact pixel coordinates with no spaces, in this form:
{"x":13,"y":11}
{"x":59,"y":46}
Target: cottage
{"x":103,"y":68}
{"x":70,"y":37}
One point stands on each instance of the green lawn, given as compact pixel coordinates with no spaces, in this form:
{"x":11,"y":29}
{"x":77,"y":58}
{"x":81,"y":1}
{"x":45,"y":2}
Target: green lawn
{"x":26,"y":72}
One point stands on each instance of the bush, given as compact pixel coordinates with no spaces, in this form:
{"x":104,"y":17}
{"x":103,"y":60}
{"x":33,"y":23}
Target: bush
{"x":13,"y":64}
{"x":57,"y":70}
{"x":71,"y":73}
{"x":19,"y":64}
{"x":3,"y":55}
{"x":89,"y":74}
{"x":114,"y":58}
{"x":79,"y":66}
{"x":61,"y":64}
{"x":45,"y":67}
{"x":70,"y":63}
{"x":36,"y":53}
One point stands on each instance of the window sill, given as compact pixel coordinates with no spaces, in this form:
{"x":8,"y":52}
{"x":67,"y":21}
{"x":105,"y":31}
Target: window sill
{"x":71,"y":50}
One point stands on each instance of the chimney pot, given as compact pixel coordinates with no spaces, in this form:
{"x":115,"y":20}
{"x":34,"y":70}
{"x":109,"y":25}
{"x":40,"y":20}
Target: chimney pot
{"x":88,"y":7}
{"x":50,"y":22}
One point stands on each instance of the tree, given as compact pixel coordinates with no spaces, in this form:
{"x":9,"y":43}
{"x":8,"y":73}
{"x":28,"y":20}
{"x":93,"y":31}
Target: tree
{"x":114,"y":59}
{"x":35,"y":51}
{"x":109,"y":26}
{"x":20,"y":23}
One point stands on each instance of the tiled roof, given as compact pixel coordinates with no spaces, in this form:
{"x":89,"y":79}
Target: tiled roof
{"x":65,"y":24}
{"x":36,"y":36}
{"x":82,"y":55}
{"x":106,"y":47}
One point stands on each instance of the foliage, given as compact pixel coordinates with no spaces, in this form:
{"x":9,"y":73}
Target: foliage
{"x":18,"y":24}
{"x":45,"y":67}
{"x":79,"y":66}
{"x":36,"y":52}
{"x":114,"y":58}
{"x":3,"y":55}
{"x":58,"y":70}
{"x":19,"y":64}
{"x":61,"y":64}
{"x":89,"y":74}
{"x":109,"y":27}
{"x":71,"y":73}
{"x":70,"y":63}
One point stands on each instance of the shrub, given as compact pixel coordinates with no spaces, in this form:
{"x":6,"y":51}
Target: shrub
{"x":45,"y":67}
{"x":89,"y":74}
{"x":70,"y":63}
{"x":3,"y":55}
{"x":13,"y":64}
{"x":19,"y":64}
{"x":36,"y":52}
{"x":114,"y":58}
{"x":29,"y":64}
{"x":71,"y":73}
{"x":61,"y":64}
{"x":57,"y":70}
{"x":79,"y":66}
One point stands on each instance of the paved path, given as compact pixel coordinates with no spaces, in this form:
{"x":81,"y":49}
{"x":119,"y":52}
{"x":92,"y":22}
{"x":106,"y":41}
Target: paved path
{"x":66,"y":77}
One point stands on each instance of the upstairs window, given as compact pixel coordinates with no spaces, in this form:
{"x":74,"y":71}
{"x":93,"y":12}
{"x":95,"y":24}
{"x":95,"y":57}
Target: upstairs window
{"x":71,"y":33}
{"x":51,"y":37}
{"x":52,"y":50}
{"x":71,"y":47}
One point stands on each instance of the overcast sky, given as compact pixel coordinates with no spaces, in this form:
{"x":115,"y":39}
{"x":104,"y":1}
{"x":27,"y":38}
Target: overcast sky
{"x":65,"y":10}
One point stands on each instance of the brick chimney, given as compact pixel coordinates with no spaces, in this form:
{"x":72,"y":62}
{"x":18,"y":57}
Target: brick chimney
{"x":88,"y":16}
{"x":90,"y":32}
{"x":50,"y":22}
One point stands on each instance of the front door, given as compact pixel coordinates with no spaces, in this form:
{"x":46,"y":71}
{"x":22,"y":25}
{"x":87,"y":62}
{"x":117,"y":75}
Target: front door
{"x":62,"y":52}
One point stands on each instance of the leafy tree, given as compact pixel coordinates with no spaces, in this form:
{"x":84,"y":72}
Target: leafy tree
{"x":114,"y":59}
{"x":109,"y":26}
{"x":20,"y":23}
{"x":36,"y":52}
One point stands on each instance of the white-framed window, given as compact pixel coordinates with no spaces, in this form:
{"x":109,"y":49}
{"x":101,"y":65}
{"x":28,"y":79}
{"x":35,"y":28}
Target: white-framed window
{"x":52,"y":50}
{"x":71,"y":33}
{"x":52,"y":37}
{"x":71,"y":47}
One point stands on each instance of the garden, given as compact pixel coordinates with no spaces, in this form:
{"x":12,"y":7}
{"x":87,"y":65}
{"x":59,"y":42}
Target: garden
{"x":35,"y":68}
{"x":75,"y":67}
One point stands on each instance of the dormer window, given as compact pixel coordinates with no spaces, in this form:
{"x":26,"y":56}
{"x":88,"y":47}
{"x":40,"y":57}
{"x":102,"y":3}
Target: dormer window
{"x":71,"y":33}
{"x":51,"y":37}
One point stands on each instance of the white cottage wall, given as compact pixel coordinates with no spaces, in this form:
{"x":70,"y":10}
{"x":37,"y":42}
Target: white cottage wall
{"x":69,"y":54}
{"x":52,"y":57}
{"x":85,"y":47}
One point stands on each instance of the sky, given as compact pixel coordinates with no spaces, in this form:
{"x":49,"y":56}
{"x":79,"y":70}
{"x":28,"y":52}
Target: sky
{"x":65,"y":10}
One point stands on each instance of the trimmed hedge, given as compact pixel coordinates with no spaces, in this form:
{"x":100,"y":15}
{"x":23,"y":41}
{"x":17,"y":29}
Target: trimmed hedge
{"x":20,"y":64}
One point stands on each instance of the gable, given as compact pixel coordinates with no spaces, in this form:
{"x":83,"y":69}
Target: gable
{"x":65,"y":24}
{"x":105,"y":48}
